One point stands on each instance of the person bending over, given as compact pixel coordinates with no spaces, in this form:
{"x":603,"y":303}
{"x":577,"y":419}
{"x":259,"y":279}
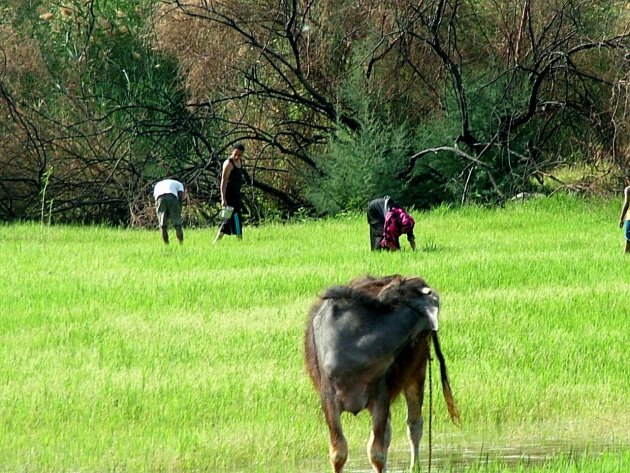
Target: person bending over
{"x":169,"y":196}
{"x":388,"y":221}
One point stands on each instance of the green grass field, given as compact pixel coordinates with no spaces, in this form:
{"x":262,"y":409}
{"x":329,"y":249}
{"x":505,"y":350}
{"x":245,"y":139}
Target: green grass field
{"x":118,"y":354}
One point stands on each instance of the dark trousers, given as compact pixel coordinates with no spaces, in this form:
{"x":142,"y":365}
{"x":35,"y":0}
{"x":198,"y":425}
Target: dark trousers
{"x":376,"y":236}
{"x":376,"y":221}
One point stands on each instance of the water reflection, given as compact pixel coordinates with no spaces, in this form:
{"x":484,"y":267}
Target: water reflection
{"x":460,"y":458}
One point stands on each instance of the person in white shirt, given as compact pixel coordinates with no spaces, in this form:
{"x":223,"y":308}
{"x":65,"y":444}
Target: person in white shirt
{"x":169,"y":196}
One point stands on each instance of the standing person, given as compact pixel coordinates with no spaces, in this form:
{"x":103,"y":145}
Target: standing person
{"x":232,"y":179}
{"x":388,"y":221}
{"x":169,"y":196}
{"x":625,"y":215}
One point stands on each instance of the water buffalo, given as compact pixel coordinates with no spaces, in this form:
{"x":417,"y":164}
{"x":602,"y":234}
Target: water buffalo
{"x":364,"y":344}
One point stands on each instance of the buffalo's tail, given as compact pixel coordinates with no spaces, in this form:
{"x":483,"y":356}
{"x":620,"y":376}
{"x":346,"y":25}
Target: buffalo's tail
{"x":446,"y":387}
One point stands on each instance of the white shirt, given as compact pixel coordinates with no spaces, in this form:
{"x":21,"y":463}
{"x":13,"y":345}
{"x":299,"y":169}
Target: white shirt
{"x":167,"y":186}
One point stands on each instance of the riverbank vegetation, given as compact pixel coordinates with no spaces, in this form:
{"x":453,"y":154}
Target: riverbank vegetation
{"x":337,"y":102}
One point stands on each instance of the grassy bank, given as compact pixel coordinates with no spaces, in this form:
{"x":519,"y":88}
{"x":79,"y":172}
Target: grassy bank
{"x":119,"y":354}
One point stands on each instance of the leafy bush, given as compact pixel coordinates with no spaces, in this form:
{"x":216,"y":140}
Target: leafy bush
{"x":359,"y":167}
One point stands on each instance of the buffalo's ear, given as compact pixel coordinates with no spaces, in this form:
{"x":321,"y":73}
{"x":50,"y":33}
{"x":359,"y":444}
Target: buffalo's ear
{"x":391,"y":291}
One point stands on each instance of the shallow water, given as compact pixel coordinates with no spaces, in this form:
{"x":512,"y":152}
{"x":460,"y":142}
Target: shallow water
{"x":460,"y":458}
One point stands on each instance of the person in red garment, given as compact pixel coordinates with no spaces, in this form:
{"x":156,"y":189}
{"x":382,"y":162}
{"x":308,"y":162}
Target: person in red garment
{"x":388,"y":222}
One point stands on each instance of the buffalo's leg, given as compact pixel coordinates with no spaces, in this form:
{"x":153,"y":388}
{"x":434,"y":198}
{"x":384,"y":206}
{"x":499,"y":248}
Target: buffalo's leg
{"x":381,"y":429}
{"x":414,"y":394}
{"x":338,"y":446}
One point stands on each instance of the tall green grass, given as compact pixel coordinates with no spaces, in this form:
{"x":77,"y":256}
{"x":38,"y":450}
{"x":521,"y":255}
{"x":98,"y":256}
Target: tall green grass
{"x":117,"y":353}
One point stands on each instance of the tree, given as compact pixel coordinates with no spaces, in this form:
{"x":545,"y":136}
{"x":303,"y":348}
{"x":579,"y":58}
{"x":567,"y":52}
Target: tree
{"x":522,"y":83}
{"x":548,"y":85}
{"x":435,"y":100}
{"x":101,"y":117}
